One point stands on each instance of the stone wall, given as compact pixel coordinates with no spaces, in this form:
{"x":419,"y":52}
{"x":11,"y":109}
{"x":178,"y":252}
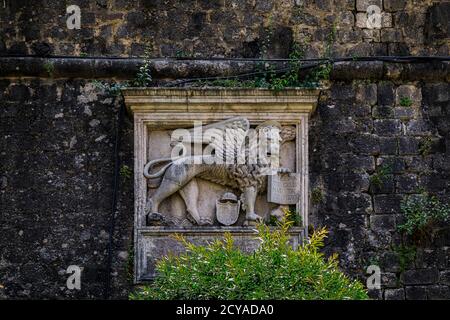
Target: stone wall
{"x":57,"y":129}
{"x":57,"y":168}
{"x":238,"y":28}
{"x":57,"y":176}
{"x":359,"y":128}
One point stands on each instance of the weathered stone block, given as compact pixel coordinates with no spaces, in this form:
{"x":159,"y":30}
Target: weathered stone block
{"x":387,"y":203}
{"x":447,"y":145}
{"x":386,"y":20}
{"x":436,"y":92}
{"x":346,"y":126}
{"x":347,"y":19}
{"x":329,"y":111}
{"x":416,"y":293}
{"x":217,"y":4}
{"x":418,"y":164}
{"x":412,"y":93}
{"x":355,"y":182}
{"x":361,"y":20}
{"x":137,"y":50}
{"x":394,"y":294}
{"x":349,"y":36}
{"x":386,"y":95}
{"x":408,"y":145}
{"x":395,"y":164}
{"x":388,"y":145}
{"x":362,"y":5}
{"x":354,"y":202}
{"x":390,"y":262}
{"x":391,"y":35}
{"x":371,"y":35}
{"x":398,"y":49}
{"x":362,"y":111}
{"x":375,"y":294}
{"x":368,"y":49}
{"x":409,"y":21}
{"x":444,"y":277}
{"x":135,"y":19}
{"x":418,"y":128}
{"x":366,"y":144}
{"x":437,"y":26}
{"x":441,"y":163}
{"x":430,"y":258}
{"x":387,"y":127}
{"x":389,"y":280}
{"x":383,"y":112}
{"x":19,"y":92}
{"x":405,"y":113}
{"x":357,"y":163}
{"x":367,"y":94}
{"x":342,"y":92}
{"x":407,"y":183}
{"x":420,"y":276}
{"x":394,"y":5}
{"x":438,"y":292}
{"x":382,"y":223}
{"x":435,"y":182}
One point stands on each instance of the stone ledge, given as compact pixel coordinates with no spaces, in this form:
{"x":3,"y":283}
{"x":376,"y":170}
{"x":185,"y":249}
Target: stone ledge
{"x":170,"y":69}
{"x":156,"y":242}
{"x":220,"y":100}
{"x":215,"y":230}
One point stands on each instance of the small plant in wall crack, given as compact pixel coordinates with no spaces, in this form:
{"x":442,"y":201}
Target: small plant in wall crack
{"x":316,"y":196}
{"x":49,"y":68}
{"x":406,"y":102}
{"x":143,"y":78}
{"x":406,"y":255}
{"x":423,"y":213}
{"x":379,"y":177}
{"x":112,"y":89}
{"x":126,"y":172}
{"x":426,"y":146}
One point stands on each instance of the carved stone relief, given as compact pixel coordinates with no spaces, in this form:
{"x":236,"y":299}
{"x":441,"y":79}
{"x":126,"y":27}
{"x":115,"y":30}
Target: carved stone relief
{"x":215,"y":161}
{"x":230,"y":165}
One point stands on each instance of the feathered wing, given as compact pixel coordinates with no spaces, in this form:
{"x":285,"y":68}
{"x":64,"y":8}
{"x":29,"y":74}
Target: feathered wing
{"x":226,"y":138}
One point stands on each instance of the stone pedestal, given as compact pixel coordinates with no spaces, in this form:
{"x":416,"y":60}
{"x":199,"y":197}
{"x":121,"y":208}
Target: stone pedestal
{"x":192,"y":209}
{"x":156,"y":242}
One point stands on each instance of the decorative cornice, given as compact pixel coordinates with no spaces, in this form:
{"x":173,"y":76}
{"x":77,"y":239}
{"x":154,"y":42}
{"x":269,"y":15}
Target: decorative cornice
{"x":225,"y":100}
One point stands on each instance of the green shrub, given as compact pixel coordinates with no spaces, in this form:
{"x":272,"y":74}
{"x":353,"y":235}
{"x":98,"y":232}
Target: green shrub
{"x":421,"y":213}
{"x":274,"y":271}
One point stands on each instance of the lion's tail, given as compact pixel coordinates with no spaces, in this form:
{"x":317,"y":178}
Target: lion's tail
{"x":159,"y":173}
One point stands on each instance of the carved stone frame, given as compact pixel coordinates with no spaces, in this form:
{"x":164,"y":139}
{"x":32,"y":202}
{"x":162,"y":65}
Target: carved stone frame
{"x":179,"y":107}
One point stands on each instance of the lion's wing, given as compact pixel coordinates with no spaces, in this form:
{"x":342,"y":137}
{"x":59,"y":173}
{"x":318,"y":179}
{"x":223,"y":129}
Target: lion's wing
{"x":230,"y":147}
{"x":227,"y":137}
